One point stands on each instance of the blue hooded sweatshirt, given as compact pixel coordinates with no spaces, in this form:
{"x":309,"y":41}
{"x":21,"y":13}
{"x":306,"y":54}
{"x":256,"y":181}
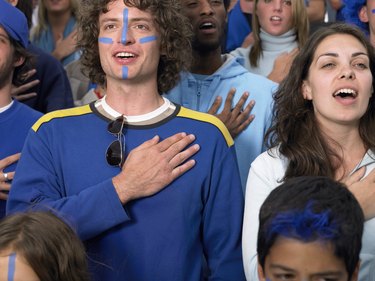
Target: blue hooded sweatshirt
{"x":199,"y":95}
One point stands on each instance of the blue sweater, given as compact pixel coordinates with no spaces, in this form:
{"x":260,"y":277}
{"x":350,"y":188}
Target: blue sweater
{"x":162,"y":237}
{"x":200,"y":95}
{"x":238,"y":28}
{"x":15,"y":123}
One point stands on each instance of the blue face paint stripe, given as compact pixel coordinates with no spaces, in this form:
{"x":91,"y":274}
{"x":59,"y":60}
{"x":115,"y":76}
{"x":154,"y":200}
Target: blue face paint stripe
{"x":124,"y":72}
{"x":11,"y":266}
{"x":373,"y":11}
{"x":125,"y":26}
{"x":105,"y":40}
{"x":147,"y":39}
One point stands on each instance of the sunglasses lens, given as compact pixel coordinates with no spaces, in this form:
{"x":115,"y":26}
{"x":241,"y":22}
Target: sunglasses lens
{"x":114,"y":153}
{"x":115,"y":127}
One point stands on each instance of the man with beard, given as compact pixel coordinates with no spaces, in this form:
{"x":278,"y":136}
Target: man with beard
{"x":16,"y":119}
{"x":213,"y":75}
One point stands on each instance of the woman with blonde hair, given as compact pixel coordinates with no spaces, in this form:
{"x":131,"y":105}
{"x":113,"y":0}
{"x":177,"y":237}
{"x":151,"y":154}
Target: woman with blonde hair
{"x":55,"y":31}
{"x":280,"y":28}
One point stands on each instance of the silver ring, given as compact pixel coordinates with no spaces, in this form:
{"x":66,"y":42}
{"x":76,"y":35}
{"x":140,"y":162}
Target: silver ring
{"x":5,"y":176}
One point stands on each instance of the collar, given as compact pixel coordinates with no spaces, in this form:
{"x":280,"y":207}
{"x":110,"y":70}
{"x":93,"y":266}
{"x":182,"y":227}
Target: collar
{"x":164,"y":111}
{"x":5,"y":108}
{"x":368,"y":159}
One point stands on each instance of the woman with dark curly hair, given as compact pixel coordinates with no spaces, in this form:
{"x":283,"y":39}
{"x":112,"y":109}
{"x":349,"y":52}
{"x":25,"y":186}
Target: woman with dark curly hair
{"x":121,"y":167}
{"x":324,"y":124}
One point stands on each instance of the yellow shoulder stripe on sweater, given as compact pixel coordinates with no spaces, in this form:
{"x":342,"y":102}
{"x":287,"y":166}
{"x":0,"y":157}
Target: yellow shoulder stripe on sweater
{"x":204,"y":117}
{"x":75,"y":111}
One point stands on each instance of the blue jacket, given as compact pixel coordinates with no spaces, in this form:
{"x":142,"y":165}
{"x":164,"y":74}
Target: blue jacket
{"x":200,"y":95}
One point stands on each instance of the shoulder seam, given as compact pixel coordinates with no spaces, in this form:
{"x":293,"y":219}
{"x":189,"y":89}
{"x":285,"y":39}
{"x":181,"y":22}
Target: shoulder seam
{"x":75,"y":111}
{"x":208,"y":118}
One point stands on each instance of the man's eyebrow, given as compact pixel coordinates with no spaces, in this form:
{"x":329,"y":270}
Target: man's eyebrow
{"x":283,"y":267}
{"x":115,"y":19}
{"x":141,"y":19}
{"x":329,"y":273}
{"x":109,"y":20}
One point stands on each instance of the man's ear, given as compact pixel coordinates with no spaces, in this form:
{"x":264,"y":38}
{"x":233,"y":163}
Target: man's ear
{"x":306,"y":90}
{"x":18,"y":61}
{"x":355,"y":273}
{"x":261,"y":274}
{"x":362,"y":14}
{"x":13,"y":2}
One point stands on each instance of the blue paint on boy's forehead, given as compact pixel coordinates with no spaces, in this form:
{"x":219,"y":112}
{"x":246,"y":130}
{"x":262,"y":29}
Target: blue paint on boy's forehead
{"x":125,"y":26}
{"x":11,"y":266}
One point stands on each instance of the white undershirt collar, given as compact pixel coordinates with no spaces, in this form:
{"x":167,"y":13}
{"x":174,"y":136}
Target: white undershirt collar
{"x":136,"y":118}
{"x":4,"y":108}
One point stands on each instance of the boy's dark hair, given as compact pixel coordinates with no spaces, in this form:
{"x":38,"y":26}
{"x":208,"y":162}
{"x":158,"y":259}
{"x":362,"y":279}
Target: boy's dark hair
{"x":174,"y":28}
{"x":312,"y":209}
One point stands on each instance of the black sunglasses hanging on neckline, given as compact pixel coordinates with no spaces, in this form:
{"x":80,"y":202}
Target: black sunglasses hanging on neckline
{"x":115,"y":151}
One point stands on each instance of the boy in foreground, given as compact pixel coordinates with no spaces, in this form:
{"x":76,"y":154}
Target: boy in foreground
{"x":310,"y":229}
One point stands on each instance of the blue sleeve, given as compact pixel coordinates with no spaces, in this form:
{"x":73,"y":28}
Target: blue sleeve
{"x":237,"y":28}
{"x":53,"y":91}
{"x":38,"y":184}
{"x":222,"y":221}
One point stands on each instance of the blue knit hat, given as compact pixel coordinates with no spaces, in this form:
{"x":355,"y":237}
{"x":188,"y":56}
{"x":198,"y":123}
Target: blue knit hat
{"x":14,"y":22}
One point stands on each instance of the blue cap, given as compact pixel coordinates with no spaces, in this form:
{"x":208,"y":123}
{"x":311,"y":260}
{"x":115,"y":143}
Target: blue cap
{"x":14,"y":22}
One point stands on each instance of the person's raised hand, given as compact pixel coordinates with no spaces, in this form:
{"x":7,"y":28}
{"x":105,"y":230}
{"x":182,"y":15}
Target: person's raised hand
{"x":236,"y":119}
{"x":18,"y":92}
